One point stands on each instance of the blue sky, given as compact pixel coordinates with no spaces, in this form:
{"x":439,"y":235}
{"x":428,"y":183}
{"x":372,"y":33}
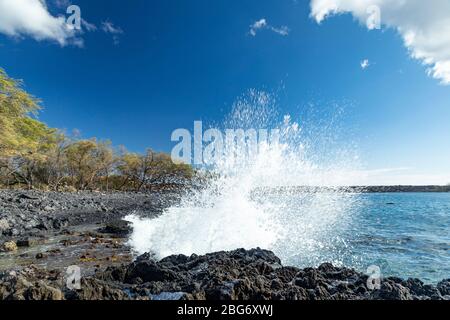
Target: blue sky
{"x":173,"y":62}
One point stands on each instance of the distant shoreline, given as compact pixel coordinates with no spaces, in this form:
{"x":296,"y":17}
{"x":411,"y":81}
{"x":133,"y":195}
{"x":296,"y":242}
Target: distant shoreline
{"x":366,"y":189}
{"x":400,"y":188}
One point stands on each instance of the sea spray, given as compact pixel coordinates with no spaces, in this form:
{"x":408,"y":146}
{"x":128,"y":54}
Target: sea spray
{"x":251,"y":200}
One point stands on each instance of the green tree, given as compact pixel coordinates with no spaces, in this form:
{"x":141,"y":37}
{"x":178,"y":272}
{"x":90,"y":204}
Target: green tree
{"x":19,"y":131}
{"x":88,"y":160}
{"x":54,"y":170}
{"x":29,"y":158}
{"x":151,"y":169}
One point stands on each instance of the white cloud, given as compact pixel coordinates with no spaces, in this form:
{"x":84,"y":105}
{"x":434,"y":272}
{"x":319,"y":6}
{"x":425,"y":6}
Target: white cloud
{"x":20,"y":18}
{"x":365,"y":64}
{"x":262,"y":24}
{"x":283,"y":30}
{"x":31,"y":18}
{"x":90,"y":27}
{"x":109,"y":27}
{"x":423,"y":25}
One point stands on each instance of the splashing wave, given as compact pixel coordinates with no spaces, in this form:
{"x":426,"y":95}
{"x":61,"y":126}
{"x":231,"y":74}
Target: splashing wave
{"x":249,"y":203}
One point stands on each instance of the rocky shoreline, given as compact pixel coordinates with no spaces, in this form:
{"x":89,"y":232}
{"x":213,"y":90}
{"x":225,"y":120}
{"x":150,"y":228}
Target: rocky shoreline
{"x":41,"y":234}
{"x":51,"y":230}
{"x":35,"y":213}
{"x":238,"y":275}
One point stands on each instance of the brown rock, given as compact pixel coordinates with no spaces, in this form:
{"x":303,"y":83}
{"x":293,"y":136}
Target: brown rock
{"x":9,"y":246}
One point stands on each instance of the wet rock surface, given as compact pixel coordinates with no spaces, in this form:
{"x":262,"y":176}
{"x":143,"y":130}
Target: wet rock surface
{"x":237,"y":275}
{"x":117,"y":227}
{"x":34,"y":213}
{"x":53,"y":231}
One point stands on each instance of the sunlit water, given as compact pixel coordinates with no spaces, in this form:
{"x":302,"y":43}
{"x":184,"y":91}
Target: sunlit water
{"x":406,"y":234}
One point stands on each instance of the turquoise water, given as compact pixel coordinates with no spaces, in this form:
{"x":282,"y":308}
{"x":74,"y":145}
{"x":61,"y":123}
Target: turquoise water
{"x":406,"y":234}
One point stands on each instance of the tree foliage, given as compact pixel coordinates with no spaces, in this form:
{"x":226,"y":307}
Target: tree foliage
{"x":20,"y":132}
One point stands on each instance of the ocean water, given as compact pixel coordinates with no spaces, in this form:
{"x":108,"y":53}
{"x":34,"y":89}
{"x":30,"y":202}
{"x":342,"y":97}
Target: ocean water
{"x":406,"y":234}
